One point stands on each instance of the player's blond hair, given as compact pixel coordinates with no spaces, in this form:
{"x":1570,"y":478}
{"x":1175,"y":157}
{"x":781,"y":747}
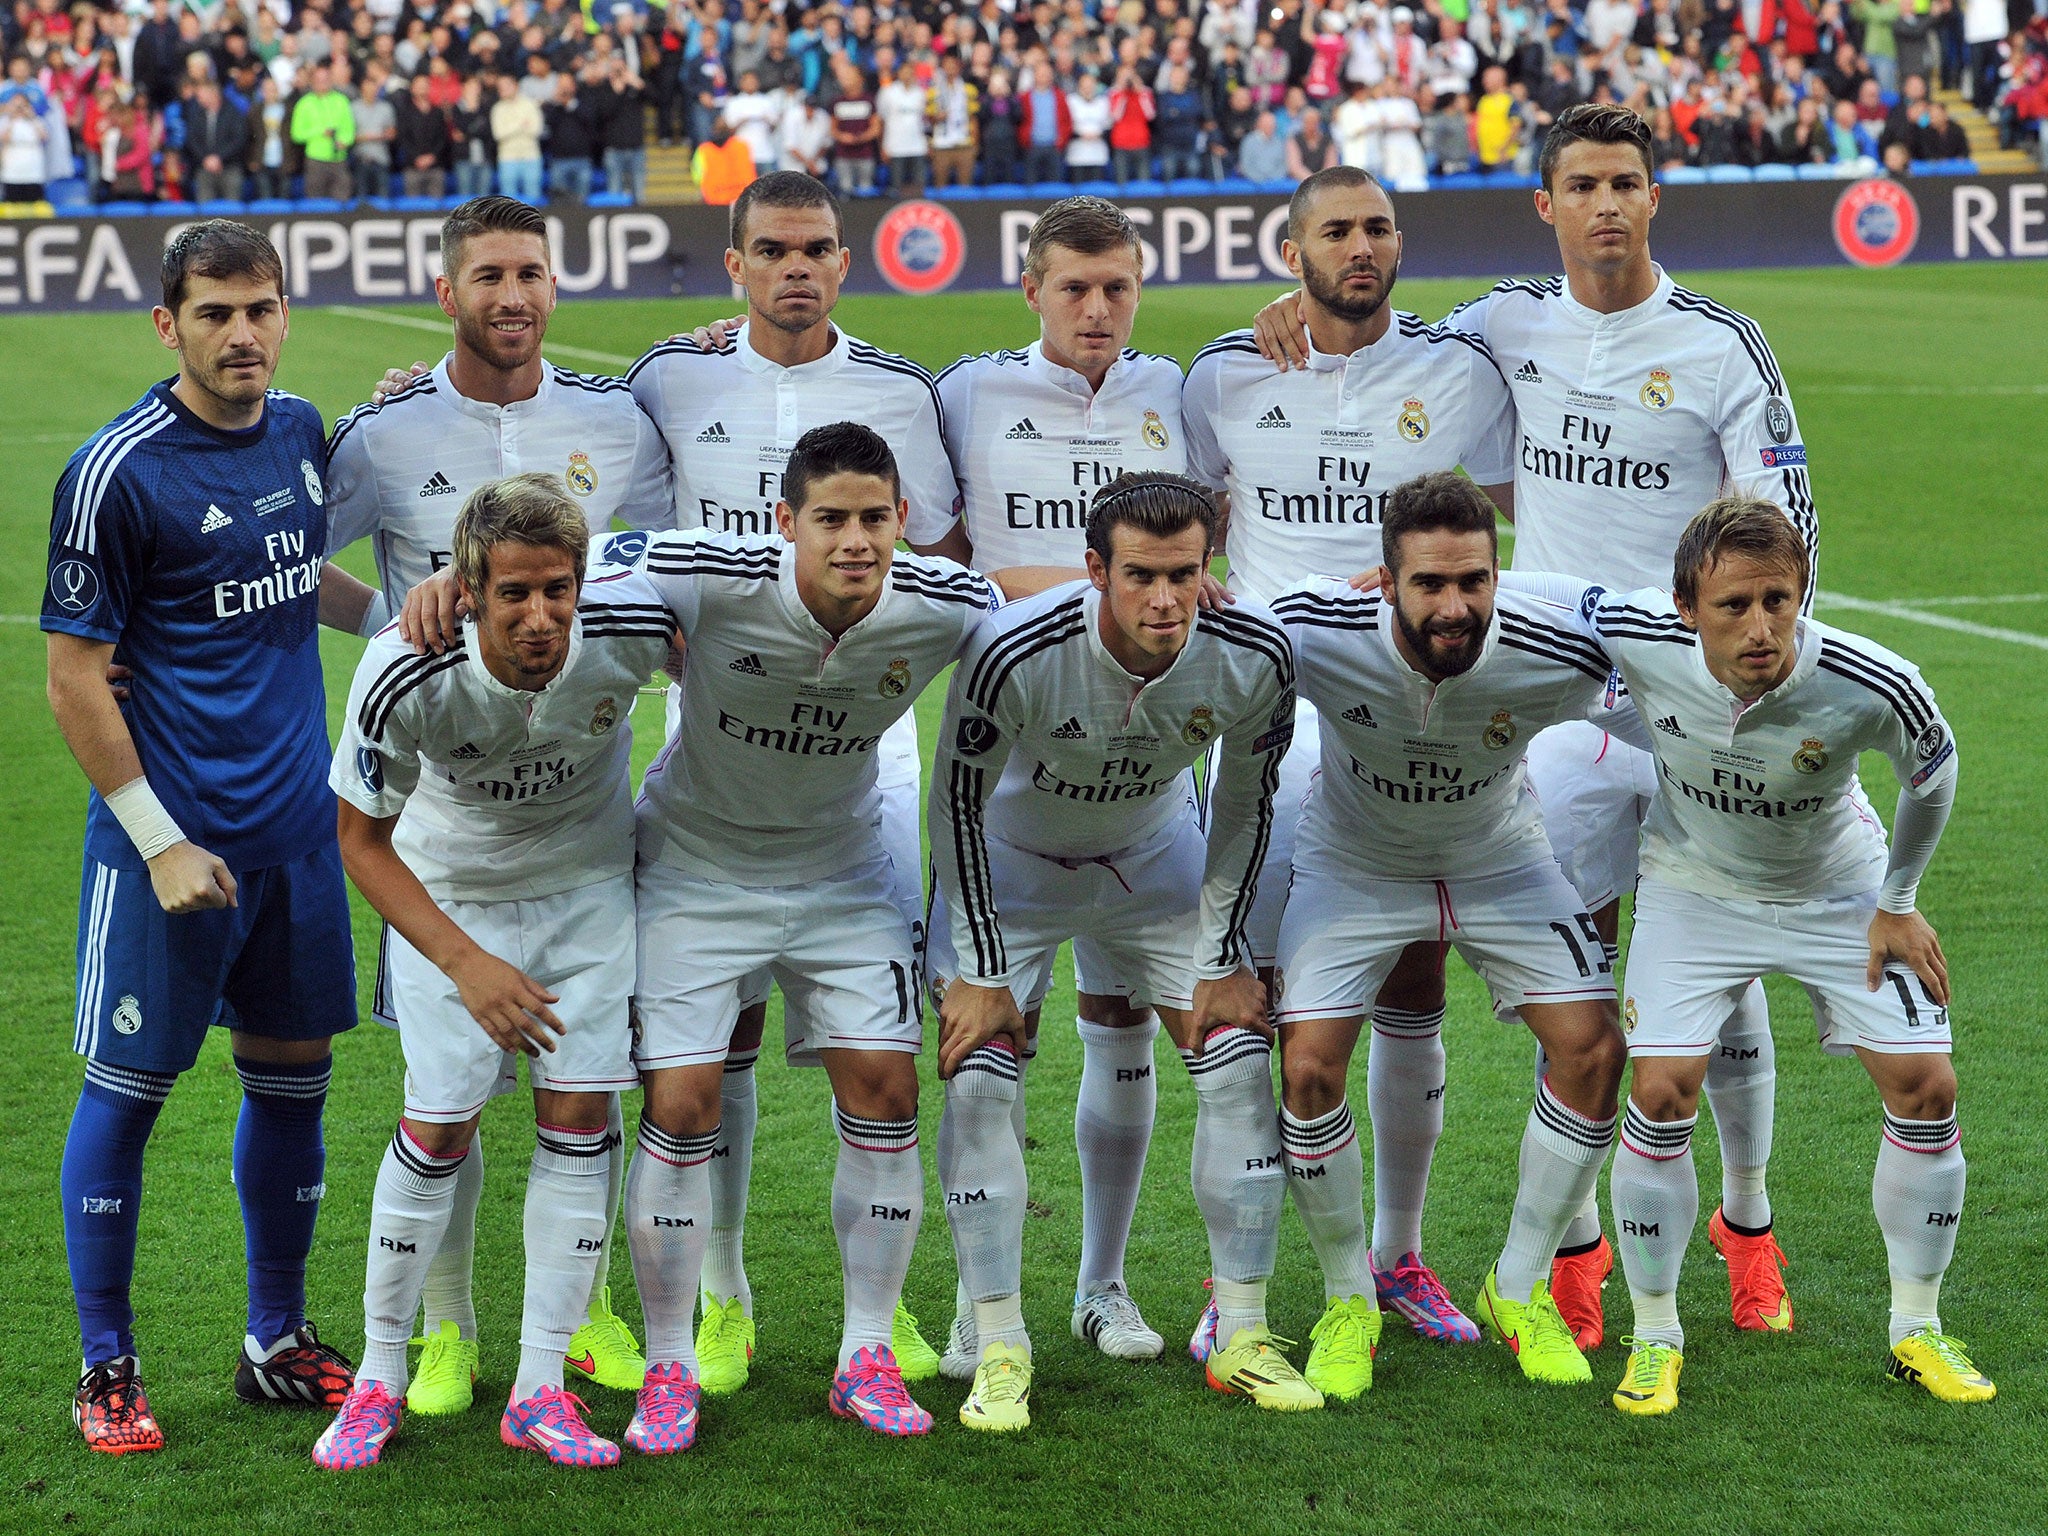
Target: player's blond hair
{"x":1748,"y":526}
{"x":1087,"y":226}
{"x":534,"y":508}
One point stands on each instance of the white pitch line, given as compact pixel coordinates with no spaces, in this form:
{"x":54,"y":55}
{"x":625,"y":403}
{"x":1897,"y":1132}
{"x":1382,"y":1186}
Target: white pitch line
{"x":1935,"y":620}
{"x":1923,"y":389}
{"x":1971,"y":602}
{"x":440,"y":328}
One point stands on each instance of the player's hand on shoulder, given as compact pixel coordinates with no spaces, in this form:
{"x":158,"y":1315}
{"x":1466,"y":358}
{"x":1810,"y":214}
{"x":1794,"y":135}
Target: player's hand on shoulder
{"x":1234,"y":1001}
{"x":1366,"y":581}
{"x":1909,"y":939}
{"x":713,"y":336}
{"x":432,"y":617}
{"x":186,"y":878}
{"x":1214,"y":594}
{"x":397,"y":379}
{"x":1281,"y":330}
{"x":510,"y":1005}
{"x":970,"y":1017}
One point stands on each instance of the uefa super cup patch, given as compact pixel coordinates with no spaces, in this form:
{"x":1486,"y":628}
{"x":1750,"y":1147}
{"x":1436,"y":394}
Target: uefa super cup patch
{"x":1784,"y":456}
{"x":975,"y":735}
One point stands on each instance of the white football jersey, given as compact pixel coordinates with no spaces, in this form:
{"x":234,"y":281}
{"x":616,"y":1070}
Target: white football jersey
{"x":1629,"y":423}
{"x":399,"y":472}
{"x":769,"y":778}
{"x":1759,"y":801}
{"x":1423,"y":781}
{"x":1032,"y":444}
{"x":1052,"y":747}
{"x":1309,"y":457}
{"x":731,"y":417}
{"x":508,"y":794}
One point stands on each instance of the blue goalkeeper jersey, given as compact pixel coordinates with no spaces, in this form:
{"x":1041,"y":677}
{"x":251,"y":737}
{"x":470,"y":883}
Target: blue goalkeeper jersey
{"x":197,"y":552}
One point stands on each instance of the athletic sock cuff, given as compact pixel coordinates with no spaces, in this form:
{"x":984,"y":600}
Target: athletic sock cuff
{"x":573,"y":1150}
{"x":1571,"y":1134}
{"x":1311,"y":1141}
{"x":424,"y":1171}
{"x":1137,"y":1037}
{"x":866,"y":1135}
{"x":285,"y":1080}
{"x":1658,"y":1140}
{"x":1408,"y":1023}
{"x":678,"y":1151}
{"x":990,"y":1071}
{"x":1921,"y":1135}
{"x":1229,"y":1056}
{"x":127,"y":1083}
{"x":741,"y":1061}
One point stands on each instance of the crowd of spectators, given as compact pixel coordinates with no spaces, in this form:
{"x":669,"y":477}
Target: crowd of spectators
{"x":233,"y":99}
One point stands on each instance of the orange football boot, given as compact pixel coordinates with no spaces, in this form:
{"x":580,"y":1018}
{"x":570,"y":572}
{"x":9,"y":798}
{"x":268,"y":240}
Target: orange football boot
{"x":1756,"y":1289}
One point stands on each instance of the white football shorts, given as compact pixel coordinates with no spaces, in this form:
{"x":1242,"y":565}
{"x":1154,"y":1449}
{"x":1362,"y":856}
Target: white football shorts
{"x":1297,"y":771}
{"x":1595,"y":790}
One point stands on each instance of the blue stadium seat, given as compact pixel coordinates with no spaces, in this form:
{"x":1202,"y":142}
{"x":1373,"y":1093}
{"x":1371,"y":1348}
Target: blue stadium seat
{"x":320,"y":205}
{"x":1146,"y":188}
{"x":416,"y":204}
{"x":1944,"y":168}
{"x":125,"y":210}
{"x":1683,"y":176}
{"x":1191,"y":186}
{"x":1108,"y":189}
{"x":611,"y":199}
{"x":1727,"y":173}
{"x":1284,"y":185}
{"x":178,"y":210}
{"x":223,"y":207}
{"x":1005,"y":189}
{"x":1825,"y":172}
{"x":381,"y":204}
{"x":71,"y":192}
{"x":272,"y":205}
{"x":1774,"y":173}
{"x":956,"y":194}
{"x":1457,"y":181}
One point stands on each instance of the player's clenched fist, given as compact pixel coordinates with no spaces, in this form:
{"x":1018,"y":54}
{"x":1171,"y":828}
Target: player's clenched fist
{"x":1237,"y":1000}
{"x":970,"y":1017}
{"x":510,"y":1005}
{"x":187,"y":878}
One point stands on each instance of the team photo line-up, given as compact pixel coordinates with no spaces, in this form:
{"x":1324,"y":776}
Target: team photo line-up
{"x":1262,"y":810}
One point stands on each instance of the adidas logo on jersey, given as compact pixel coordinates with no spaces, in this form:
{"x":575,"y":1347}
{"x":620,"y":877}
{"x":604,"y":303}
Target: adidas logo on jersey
{"x":1669,"y":726}
{"x":1358,"y":714}
{"x":1070,"y":730}
{"x":439,"y":485}
{"x":215,"y":519}
{"x":749,"y":664}
{"x":1274,"y":418}
{"x":715,"y":433}
{"x":468,"y":752}
{"x":1529,"y":373}
{"x":1024,"y":431}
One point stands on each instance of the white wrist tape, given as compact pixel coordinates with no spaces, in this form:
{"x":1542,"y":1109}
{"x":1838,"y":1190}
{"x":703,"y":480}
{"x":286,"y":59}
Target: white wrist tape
{"x":376,"y":616}
{"x":143,"y":817}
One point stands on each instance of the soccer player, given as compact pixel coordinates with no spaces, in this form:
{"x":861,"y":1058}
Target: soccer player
{"x":186,"y":545}
{"x":1417,"y":828}
{"x":1035,"y":435}
{"x":1308,"y":459}
{"x":400,"y":468}
{"x":1637,"y":402}
{"x":731,"y":410}
{"x":763,"y":847}
{"x":1062,"y":802}
{"x":508,"y":885}
{"x":1761,"y":854}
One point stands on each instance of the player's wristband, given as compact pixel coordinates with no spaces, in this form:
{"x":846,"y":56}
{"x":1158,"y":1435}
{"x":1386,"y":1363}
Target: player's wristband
{"x":376,"y":616}
{"x":143,"y":817}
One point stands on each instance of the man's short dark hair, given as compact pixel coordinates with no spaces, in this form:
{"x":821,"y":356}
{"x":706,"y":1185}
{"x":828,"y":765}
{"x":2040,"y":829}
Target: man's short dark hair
{"x":1748,"y":526}
{"x":218,"y":248}
{"x":1332,"y":176}
{"x":487,"y":215}
{"x":1087,"y":226}
{"x":1443,"y":502}
{"x":782,"y":189}
{"x":1592,"y":122}
{"x":1153,"y":502}
{"x":841,"y":448}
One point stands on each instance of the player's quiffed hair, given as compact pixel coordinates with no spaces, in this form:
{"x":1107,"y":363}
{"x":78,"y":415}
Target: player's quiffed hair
{"x":218,"y":248}
{"x":488,"y":215}
{"x":843,"y":447}
{"x":1087,"y":226}
{"x":1330,"y":176}
{"x":1443,"y":502}
{"x":1153,"y":502}
{"x":1593,"y":122}
{"x":781,"y":189}
{"x":534,"y":508}
{"x":1737,"y":525}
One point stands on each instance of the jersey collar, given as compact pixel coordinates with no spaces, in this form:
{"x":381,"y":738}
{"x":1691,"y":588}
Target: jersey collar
{"x":484,"y":410}
{"x":1805,"y":659}
{"x":1091,"y":617}
{"x":1621,"y":319}
{"x":804,"y":619}
{"x":1066,"y":378}
{"x":1332,"y":362}
{"x":524,"y":696}
{"x":824,"y":367}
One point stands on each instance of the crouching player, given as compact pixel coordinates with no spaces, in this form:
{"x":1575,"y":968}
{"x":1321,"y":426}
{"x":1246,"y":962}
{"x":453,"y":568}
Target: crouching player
{"x":1761,"y":855}
{"x":1062,"y":803}
{"x":508,"y":885}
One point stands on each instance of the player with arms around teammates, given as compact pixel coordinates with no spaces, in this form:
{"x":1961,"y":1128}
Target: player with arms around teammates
{"x":186,"y":546}
{"x":1063,"y":800}
{"x":1636,"y":402}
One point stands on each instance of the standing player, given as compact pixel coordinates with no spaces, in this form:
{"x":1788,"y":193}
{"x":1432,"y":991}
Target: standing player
{"x":1417,"y":827}
{"x":186,"y":545}
{"x":1308,"y":460}
{"x":731,"y":410}
{"x":762,"y":849}
{"x":1063,"y":799}
{"x":1638,"y":401}
{"x":399,"y":470}
{"x":1035,"y":435}
{"x":508,"y":885}
{"x":1762,"y":854}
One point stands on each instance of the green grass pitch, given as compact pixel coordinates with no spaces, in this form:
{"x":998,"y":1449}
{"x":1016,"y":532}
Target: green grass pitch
{"x":1922,"y":396}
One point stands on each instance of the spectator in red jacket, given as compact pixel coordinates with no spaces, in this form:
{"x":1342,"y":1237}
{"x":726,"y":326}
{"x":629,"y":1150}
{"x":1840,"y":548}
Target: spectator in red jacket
{"x":1043,"y":125}
{"x":1131,"y":110}
{"x":1801,"y":35}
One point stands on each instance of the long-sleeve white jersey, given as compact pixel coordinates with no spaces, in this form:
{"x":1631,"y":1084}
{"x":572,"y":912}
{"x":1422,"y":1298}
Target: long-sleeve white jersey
{"x":399,"y":472}
{"x":1050,"y":746}
{"x":1422,"y":780}
{"x":508,"y":794}
{"x":1032,"y":444}
{"x":731,"y":417}
{"x":1629,"y":423}
{"x":1309,"y":457}
{"x":769,"y":778}
{"x":1760,"y":801}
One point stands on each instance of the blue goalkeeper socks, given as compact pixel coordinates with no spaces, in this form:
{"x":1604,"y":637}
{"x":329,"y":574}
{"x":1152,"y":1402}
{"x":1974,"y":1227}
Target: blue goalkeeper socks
{"x":102,"y":1191}
{"x":280,"y":1165}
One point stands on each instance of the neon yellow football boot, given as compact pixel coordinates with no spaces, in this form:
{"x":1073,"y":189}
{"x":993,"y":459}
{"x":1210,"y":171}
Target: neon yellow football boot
{"x":914,"y":1357}
{"x":1251,"y":1363}
{"x":604,"y":1350}
{"x":446,"y":1379}
{"x":1536,"y":1332}
{"x":1001,"y":1399}
{"x":1649,"y":1382}
{"x":1343,"y":1343}
{"x":1938,"y":1363}
{"x":725,"y":1346}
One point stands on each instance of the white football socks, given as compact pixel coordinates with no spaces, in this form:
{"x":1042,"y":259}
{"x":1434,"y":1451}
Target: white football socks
{"x":1562,"y":1151}
{"x":1240,"y":1183}
{"x":877,"y":1203}
{"x":1656,"y":1195}
{"x":567,"y":1223}
{"x":1742,"y":1079}
{"x":1113,"y":1117}
{"x":732,"y":1168}
{"x":1326,"y":1174}
{"x":668,"y":1215}
{"x":981,"y":1170}
{"x":1918,"y":1194}
{"x":1404,"y":1093}
{"x":448,"y":1293}
{"x":409,"y":1215}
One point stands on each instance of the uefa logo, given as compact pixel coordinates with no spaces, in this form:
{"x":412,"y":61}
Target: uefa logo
{"x":920,"y":248}
{"x":1877,"y":223}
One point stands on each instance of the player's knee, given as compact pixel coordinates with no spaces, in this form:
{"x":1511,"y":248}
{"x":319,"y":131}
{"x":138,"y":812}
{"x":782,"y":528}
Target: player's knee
{"x":1416,"y":982}
{"x":1926,"y":1093}
{"x":572,"y":1111}
{"x":683,"y":1101}
{"x":1110,"y":1011}
{"x":443,"y":1138}
{"x":1312,"y":1083}
{"x":884,"y":1087}
{"x":1662,"y":1097}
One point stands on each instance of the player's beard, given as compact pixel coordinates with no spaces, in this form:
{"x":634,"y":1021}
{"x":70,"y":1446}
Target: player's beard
{"x":1420,"y":638}
{"x":239,"y":388}
{"x":480,"y":341}
{"x":1327,"y":288}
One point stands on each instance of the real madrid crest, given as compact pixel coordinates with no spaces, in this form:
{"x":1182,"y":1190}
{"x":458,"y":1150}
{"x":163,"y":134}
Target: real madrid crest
{"x":1500,"y":731}
{"x":1153,"y":431}
{"x":127,"y":1015}
{"x":1200,"y":727}
{"x":605,"y":716}
{"x":1414,"y":423}
{"x":1811,"y":757}
{"x":896,"y":680}
{"x":312,"y":477}
{"x":581,"y":474}
{"x":1658,"y":391}
{"x":1628,"y":1017}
